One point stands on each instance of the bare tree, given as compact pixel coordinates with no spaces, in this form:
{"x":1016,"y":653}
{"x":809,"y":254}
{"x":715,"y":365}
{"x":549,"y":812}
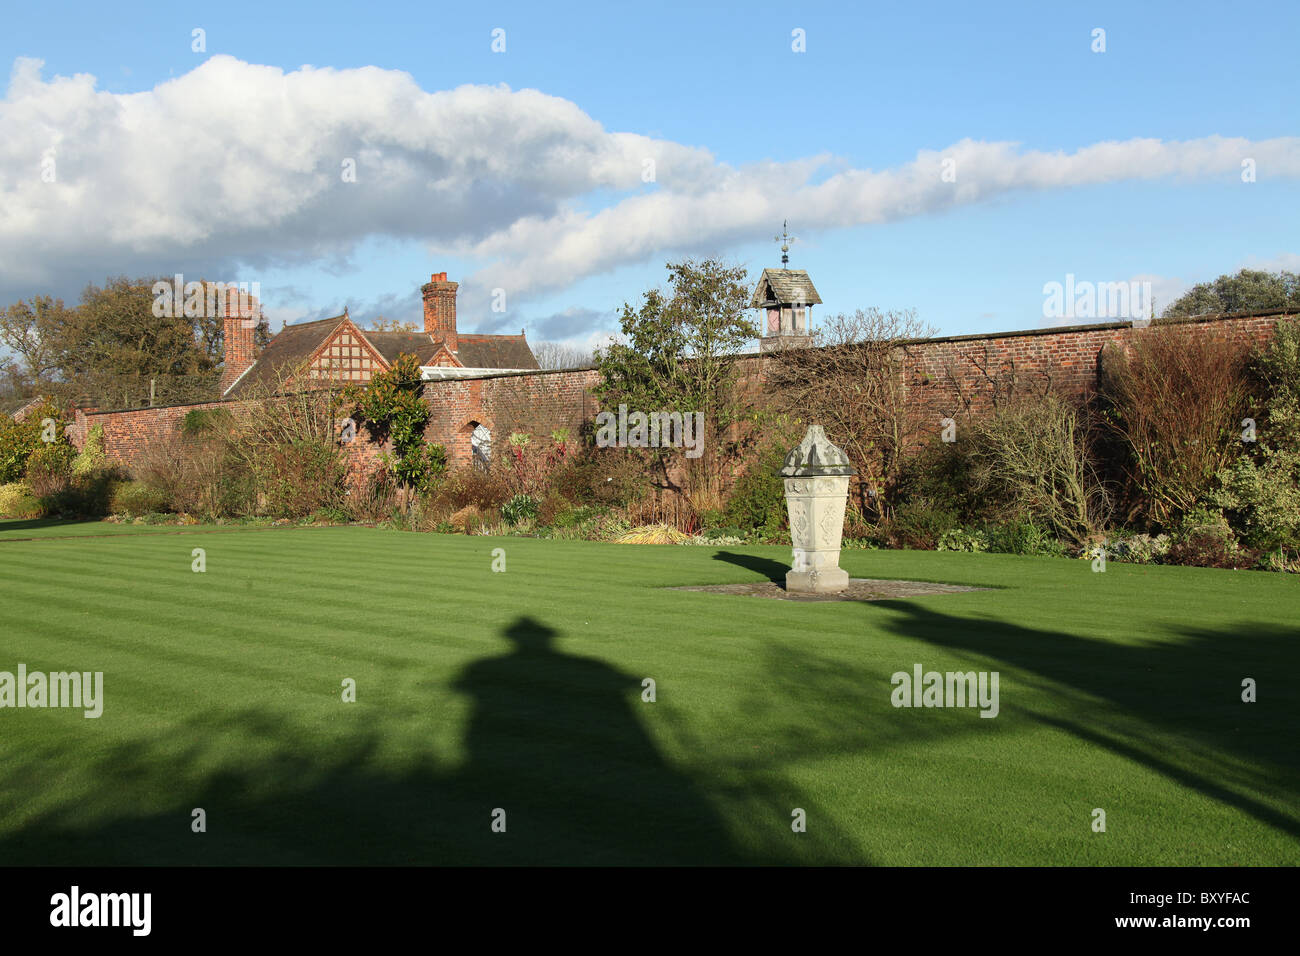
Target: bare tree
{"x":998,"y":379}
{"x":382,"y":324}
{"x":558,"y":355}
{"x":1175,"y":396}
{"x":277,"y":450}
{"x":27,"y":327}
{"x":1034,"y":457}
{"x":285,"y":411}
{"x":851,"y":381}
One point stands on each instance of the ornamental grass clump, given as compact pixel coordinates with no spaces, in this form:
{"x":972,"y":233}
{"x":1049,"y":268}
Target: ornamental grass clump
{"x":653,"y":534}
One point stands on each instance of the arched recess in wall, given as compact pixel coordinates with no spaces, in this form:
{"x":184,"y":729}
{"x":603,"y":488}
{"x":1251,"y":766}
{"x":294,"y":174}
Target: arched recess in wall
{"x":480,"y":444}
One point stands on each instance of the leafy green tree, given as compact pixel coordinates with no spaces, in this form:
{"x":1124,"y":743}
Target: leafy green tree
{"x":679,"y":354}
{"x":112,"y":344}
{"x":1248,"y":291}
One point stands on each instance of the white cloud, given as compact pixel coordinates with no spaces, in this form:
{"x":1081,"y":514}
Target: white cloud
{"x":240,"y":163}
{"x":1282,"y":262}
{"x":235,"y":161}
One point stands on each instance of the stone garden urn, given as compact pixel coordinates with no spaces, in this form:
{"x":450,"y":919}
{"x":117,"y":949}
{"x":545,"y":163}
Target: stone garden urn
{"x":816,"y":477}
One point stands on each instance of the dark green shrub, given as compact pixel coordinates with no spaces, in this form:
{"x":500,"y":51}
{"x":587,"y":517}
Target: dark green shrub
{"x":1280,"y":560}
{"x":1205,"y":540}
{"x":578,"y":517}
{"x":713,"y":518}
{"x":87,"y":495}
{"x":519,"y":508}
{"x":19,"y":439}
{"x":136,"y":498}
{"x":940,"y":474}
{"x":758,"y":497}
{"x":919,"y":524}
{"x":421,"y":467}
{"x":301,"y":478}
{"x":1022,"y":537}
{"x":970,"y":540}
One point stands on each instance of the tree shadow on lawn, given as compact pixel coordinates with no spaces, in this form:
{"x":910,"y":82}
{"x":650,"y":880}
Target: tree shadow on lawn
{"x":1240,"y":754}
{"x":555,"y":740}
{"x":817,"y":717}
{"x":34,"y":524}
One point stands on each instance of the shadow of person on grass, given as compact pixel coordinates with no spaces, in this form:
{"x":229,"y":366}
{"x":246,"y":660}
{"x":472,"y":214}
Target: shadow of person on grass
{"x":555,"y":740}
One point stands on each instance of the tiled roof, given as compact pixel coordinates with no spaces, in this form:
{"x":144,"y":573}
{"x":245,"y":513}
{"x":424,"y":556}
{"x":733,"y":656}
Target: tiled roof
{"x":294,"y":344}
{"x":291,"y":346}
{"x":393,"y":344}
{"x":784,"y":287}
{"x":494,"y":351}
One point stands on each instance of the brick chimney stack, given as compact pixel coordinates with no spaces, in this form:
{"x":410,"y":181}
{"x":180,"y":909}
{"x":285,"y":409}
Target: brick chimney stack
{"x":440,"y":309}
{"x":242,"y":315}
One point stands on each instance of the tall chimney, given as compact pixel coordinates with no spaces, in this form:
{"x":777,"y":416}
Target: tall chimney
{"x":440,"y":309}
{"x":240,"y":323}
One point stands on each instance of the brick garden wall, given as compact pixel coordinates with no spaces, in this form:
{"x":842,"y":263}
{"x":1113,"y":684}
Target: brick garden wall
{"x":128,"y":433}
{"x":947,"y":377}
{"x":536,"y":403}
{"x":958,"y":376}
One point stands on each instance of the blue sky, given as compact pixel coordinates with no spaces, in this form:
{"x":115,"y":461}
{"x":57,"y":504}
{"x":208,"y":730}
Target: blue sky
{"x":845,"y":140}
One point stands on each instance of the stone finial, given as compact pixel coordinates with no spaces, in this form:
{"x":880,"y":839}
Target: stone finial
{"x":815,"y":455}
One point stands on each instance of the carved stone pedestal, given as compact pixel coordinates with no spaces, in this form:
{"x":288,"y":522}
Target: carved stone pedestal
{"x":816,"y":477}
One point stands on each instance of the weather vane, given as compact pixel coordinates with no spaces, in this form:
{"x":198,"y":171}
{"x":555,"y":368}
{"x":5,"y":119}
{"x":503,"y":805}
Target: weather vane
{"x":785,"y":239}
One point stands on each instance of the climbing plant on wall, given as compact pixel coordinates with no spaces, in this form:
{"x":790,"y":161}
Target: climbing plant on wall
{"x":392,"y":407}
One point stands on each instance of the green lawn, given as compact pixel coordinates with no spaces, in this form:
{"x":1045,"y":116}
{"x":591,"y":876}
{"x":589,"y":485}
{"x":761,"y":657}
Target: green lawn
{"x":522,"y":690}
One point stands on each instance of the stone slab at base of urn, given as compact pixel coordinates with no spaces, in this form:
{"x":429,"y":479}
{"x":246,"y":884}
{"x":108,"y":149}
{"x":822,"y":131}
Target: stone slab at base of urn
{"x":816,"y":477}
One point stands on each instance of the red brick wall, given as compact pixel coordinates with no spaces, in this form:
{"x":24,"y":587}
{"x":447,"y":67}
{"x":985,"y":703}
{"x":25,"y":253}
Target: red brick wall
{"x":128,"y":433}
{"x":532,"y":402}
{"x":943,"y":374}
{"x":958,"y":376}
